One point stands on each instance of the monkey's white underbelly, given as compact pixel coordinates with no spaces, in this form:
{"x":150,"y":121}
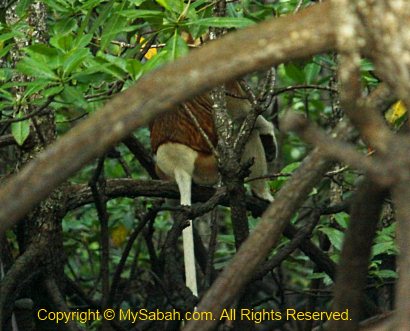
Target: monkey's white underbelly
{"x":176,"y":160}
{"x":201,"y":167}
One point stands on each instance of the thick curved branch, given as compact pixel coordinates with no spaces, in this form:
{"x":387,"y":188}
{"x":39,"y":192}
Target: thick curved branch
{"x":269,"y":43}
{"x":80,"y":194}
{"x":388,"y":42}
{"x":58,"y":300}
{"x":355,"y":256}
{"x":22,"y":270}
{"x":401,"y":195}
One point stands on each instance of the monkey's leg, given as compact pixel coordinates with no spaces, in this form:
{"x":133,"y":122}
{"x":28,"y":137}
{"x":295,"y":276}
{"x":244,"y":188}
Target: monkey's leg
{"x":254,"y":149}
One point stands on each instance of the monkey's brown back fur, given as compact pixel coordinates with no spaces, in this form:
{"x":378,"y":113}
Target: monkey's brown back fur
{"x":178,"y":127}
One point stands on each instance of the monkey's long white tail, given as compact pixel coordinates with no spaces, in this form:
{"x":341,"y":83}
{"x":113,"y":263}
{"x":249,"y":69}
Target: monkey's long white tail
{"x":183,"y":180}
{"x":189,"y":258}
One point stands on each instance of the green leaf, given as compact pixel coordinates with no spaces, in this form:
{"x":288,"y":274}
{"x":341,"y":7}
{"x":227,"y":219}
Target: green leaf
{"x":197,"y":30}
{"x":387,"y":233}
{"x":176,"y":6}
{"x":119,"y":62}
{"x":176,"y":47}
{"x":164,"y":3}
{"x":43,"y":50}
{"x":134,"y":68}
{"x":6,"y":74}
{"x":90,"y":4}
{"x":82,"y":41}
{"x":386,"y":274}
{"x":30,"y":67}
{"x":141,"y":13}
{"x":311,"y":70}
{"x":294,"y":73}
{"x":5,"y":50}
{"x":72,"y":95}
{"x":85,"y":22}
{"x":20,"y":130}
{"x":22,"y":6}
{"x":335,"y":236}
{"x":366,"y":65}
{"x":113,"y":71}
{"x":383,"y":248}
{"x":98,"y":69}
{"x":317,"y":275}
{"x":7,"y":95}
{"x":102,"y":17}
{"x":112,"y":27}
{"x":111,"y":33}
{"x":41,"y":53}
{"x":63,"y":7}
{"x":197,"y":3}
{"x":342,"y":219}
{"x":63,"y":43}
{"x":137,"y":2}
{"x":290,"y":168}
{"x":7,"y":36}
{"x":157,"y":61}
{"x":34,"y":87}
{"x":223,"y":22}
{"x":52,"y":91}
{"x":65,"y":26}
{"x":74,"y":59}
{"x":280,"y":181}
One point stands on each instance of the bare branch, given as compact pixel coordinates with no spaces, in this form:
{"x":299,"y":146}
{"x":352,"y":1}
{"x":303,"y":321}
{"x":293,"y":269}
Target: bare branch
{"x":58,"y":301}
{"x":302,"y":87}
{"x":337,"y":150}
{"x":401,"y":195}
{"x":370,"y":124}
{"x":352,"y":271}
{"x":388,"y":42}
{"x":97,"y":186}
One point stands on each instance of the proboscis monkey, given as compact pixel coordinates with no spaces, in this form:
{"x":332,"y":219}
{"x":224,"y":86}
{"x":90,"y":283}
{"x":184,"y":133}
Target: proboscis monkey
{"x":184,"y":155}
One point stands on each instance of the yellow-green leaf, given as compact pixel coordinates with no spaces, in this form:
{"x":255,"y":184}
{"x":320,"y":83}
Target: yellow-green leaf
{"x":396,"y":112}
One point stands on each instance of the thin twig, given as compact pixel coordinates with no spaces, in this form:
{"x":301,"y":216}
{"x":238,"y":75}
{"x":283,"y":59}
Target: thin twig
{"x":150,"y":215}
{"x":101,"y":206}
{"x":201,"y":130}
{"x":302,"y":87}
{"x":301,"y":235}
{"x":28,"y":116}
{"x":212,"y":248}
{"x":337,"y":150}
{"x":58,"y":301}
